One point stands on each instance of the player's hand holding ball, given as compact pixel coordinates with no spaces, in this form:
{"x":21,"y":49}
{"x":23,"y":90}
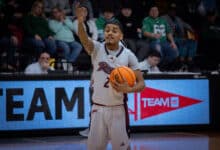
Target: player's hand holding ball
{"x":122,"y":79}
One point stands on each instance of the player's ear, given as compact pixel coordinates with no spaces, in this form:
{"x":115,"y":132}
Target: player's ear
{"x":121,"y":37}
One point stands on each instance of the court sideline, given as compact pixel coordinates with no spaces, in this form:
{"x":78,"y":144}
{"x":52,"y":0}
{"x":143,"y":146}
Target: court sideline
{"x":139,"y":141}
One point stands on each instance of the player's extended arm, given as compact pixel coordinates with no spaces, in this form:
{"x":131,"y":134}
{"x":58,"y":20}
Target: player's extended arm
{"x":84,"y":39}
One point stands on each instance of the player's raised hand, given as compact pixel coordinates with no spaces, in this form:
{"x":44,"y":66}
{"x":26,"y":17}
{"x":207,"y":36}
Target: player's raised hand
{"x":80,"y":12}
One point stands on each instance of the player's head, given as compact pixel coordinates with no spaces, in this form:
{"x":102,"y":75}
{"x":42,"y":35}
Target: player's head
{"x":113,"y":32}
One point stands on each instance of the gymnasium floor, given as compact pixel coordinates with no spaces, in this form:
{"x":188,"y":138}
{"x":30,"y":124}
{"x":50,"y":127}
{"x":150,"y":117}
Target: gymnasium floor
{"x":139,"y":141}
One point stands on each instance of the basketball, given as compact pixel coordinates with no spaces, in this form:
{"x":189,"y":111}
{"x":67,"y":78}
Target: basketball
{"x":121,"y":73}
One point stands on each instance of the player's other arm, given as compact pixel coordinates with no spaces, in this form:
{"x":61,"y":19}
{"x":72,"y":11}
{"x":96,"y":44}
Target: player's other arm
{"x":84,"y":39}
{"x":140,"y":84}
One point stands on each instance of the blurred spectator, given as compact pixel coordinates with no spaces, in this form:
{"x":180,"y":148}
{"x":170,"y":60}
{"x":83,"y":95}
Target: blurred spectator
{"x":209,"y":38}
{"x":107,"y":15}
{"x":63,"y":28}
{"x":14,"y":11}
{"x":150,"y":63}
{"x":184,"y":37}
{"x":159,"y":33}
{"x":100,"y":5}
{"x":132,"y":33}
{"x":14,"y":15}
{"x":2,"y":4}
{"x":86,"y":3}
{"x":37,"y":33}
{"x":27,"y":5}
{"x":140,"y":8}
{"x":62,"y":4}
{"x":89,"y":25}
{"x":42,"y":66}
{"x":211,"y":26}
{"x":10,"y":35}
{"x":130,"y":27}
{"x":205,"y":5}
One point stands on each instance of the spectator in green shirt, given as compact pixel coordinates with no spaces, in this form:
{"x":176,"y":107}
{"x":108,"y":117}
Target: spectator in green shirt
{"x":161,"y":39}
{"x":37,"y":33}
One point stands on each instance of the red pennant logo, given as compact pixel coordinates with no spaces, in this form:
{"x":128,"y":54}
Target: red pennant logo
{"x":151,"y":102}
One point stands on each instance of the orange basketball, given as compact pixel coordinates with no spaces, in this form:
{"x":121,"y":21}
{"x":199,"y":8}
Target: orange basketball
{"x":121,"y":73}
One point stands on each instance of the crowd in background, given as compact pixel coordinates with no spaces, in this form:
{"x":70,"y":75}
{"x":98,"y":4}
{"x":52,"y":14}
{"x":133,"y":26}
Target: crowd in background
{"x":185,"y":34}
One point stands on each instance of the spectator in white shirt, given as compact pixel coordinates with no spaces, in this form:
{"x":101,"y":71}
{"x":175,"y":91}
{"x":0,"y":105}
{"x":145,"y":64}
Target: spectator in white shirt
{"x":150,"y":64}
{"x":42,"y":66}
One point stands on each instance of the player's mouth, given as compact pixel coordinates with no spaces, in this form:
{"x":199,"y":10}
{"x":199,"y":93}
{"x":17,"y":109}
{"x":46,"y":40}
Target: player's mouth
{"x":109,"y":38}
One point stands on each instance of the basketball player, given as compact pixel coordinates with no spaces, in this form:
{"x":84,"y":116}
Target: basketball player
{"x":108,"y":113}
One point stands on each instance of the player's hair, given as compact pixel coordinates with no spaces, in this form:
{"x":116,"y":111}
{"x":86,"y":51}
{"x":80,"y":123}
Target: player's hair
{"x":115,"y":22}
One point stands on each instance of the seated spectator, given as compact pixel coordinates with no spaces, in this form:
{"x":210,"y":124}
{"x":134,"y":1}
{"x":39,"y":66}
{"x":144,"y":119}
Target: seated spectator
{"x":14,"y":11}
{"x":107,"y":15}
{"x":37,"y":33}
{"x":130,"y":27}
{"x":2,"y":4}
{"x":26,"y":5}
{"x":182,"y":31}
{"x":99,"y":5}
{"x":14,"y":14}
{"x":62,"y":4}
{"x":8,"y":44}
{"x":63,"y":28}
{"x":89,"y":24}
{"x":42,"y":66}
{"x":150,"y":64}
{"x":209,"y":37}
{"x":210,"y":28}
{"x":158,"y":32}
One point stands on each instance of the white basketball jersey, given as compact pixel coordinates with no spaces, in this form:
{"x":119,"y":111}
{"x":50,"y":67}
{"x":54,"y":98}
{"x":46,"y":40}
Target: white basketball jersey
{"x":104,"y":61}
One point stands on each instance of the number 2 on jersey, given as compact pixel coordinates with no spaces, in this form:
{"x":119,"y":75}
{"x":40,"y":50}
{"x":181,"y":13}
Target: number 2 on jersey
{"x":106,"y":85}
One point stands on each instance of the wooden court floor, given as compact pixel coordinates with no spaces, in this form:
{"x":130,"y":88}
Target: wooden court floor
{"x":139,"y":141}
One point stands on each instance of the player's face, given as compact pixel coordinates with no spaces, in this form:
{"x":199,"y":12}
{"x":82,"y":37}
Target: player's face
{"x":113,"y":34}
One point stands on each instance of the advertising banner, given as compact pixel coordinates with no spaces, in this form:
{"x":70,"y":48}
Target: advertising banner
{"x":53,"y":104}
